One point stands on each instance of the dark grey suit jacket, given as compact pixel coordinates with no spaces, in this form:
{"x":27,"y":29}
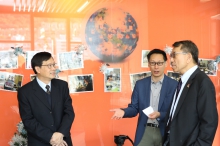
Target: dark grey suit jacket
{"x":40,"y":119}
{"x":195,"y":119}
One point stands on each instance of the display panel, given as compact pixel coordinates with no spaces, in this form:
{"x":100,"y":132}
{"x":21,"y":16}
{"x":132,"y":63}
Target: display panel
{"x":15,"y":27}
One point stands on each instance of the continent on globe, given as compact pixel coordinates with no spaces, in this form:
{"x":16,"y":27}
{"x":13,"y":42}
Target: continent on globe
{"x":111,"y":34}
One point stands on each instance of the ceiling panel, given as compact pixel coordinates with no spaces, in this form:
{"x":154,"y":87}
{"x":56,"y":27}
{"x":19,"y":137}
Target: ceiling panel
{"x":53,"y":6}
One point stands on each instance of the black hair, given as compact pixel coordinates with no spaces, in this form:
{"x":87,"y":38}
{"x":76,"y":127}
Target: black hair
{"x":157,"y":51}
{"x":38,"y":59}
{"x":188,"y":47}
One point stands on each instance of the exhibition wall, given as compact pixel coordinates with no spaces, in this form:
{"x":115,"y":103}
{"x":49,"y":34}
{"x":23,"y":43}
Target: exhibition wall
{"x":130,"y":29}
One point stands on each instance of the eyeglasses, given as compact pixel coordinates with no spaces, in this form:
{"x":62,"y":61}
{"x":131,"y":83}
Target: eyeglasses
{"x":156,"y":63}
{"x":50,"y":65}
{"x":173,"y":55}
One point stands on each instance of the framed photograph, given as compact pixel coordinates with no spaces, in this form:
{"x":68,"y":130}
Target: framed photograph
{"x":80,"y":83}
{"x":173,"y":75}
{"x":10,"y":81}
{"x":112,"y":80}
{"x":70,"y":60}
{"x":208,"y":66}
{"x":144,"y":60}
{"x":137,"y":76}
{"x":8,"y":60}
{"x":29,"y":55}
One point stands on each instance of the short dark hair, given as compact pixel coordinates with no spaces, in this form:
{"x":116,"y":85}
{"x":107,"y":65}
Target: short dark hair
{"x":188,"y":47}
{"x":38,"y":59}
{"x":157,"y":51}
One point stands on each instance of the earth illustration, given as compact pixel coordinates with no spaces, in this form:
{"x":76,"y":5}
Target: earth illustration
{"x":111,"y":34}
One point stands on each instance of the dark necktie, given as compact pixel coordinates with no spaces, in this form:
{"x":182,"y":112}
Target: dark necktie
{"x":48,"y":89}
{"x":48,"y":94}
{"x":175,"y":98}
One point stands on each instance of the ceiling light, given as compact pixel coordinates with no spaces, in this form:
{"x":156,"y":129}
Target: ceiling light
{"x":83,"y":6}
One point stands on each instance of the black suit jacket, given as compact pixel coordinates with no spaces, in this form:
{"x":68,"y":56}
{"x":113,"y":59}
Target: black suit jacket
{"x":40,"y":119}
{"x":195,"y":119}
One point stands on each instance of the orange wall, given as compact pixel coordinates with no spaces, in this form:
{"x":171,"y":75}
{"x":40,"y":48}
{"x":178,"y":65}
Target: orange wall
{"x":159,"y":23}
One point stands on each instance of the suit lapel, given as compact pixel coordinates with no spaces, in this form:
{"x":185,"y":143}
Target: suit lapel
{"x":40,"y":94}
{"x":185,"y":91}
{"x":147,"y":91}
{"x":163,"y":92}
{"x":54,"y":93}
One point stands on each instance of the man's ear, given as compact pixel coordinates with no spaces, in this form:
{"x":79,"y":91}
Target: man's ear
{"x":37,"y":68}
{"x":189,"y":57}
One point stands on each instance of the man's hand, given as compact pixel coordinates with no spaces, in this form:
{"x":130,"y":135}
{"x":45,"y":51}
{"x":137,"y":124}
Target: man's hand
{"x":154,"y":115}
{"x":57,"y":139}
{"x":63,"y":144}
{"x":119,"y":113}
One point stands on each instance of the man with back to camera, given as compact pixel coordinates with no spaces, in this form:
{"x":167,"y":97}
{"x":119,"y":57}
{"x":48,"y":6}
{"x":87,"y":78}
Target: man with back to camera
{"x":155,"y":91}
{"x":192,"y":119}
{"x":45,"y":105}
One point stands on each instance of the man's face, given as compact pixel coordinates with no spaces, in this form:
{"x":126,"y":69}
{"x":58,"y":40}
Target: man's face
{"x":46,"y":72}
{"x":179,"y":60}
{"x":157,"y":65}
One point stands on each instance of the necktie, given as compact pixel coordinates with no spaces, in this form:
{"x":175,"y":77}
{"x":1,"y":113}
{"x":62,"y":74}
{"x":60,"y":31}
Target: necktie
{"x":48,"y":94}
{"x":177,"y":93}
{"x":48,"y":89}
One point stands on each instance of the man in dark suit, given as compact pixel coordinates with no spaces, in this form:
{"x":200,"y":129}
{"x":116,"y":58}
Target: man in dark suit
{"x":192,"y":119}
{"x":155,"y":91}
{"x":45,"y":105}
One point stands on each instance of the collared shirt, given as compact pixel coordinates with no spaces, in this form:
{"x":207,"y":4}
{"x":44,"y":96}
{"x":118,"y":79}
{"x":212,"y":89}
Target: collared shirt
{"x":154,"y":97}
{"x":43,"y":85}
{"x":184,"y":79}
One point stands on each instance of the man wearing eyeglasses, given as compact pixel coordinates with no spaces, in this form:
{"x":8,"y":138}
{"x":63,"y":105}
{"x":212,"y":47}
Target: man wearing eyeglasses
{"x":155,"y":91}
{"x":45,"y":105}
{"x":192,"y":119}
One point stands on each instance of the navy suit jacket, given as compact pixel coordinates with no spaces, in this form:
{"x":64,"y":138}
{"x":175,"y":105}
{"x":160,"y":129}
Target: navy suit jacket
{"x":40,"y":119}
{"x":141,"y":100}
{"x":195,"y":119}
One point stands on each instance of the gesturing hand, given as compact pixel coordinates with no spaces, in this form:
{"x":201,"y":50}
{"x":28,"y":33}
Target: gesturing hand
{"x":119,"y":113}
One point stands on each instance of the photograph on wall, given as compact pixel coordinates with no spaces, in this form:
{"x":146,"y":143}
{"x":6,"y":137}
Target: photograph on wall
{"x":76,"y":30}
{"x":173,"y":75}
{"x":32,"y":77}
{"x":144,"y":60}
{"x":137,"y":76}
{"x":29,"y":55}
{"x":50,"y":35}
{"x":8,"y":60}
{"x":112,"y":80}
{"x":208,"y":66}
{"x":70,"y":60}
{"x":10,"y":81}
{"x":80,"y":83}
{"x":15,"y":27}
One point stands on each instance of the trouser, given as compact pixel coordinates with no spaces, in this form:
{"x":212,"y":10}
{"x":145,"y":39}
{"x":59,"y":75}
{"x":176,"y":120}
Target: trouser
{"x":151,"y":137}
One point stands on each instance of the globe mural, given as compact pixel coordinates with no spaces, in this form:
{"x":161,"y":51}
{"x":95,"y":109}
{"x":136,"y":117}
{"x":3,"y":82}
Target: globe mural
{"x":111,"y":34}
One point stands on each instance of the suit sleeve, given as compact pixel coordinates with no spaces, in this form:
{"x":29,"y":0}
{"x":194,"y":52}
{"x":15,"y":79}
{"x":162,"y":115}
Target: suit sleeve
{"x":133,"y":107}
{"x":68,"y":113}
{"x":31,"y":124}
{"x":207,"y":112}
